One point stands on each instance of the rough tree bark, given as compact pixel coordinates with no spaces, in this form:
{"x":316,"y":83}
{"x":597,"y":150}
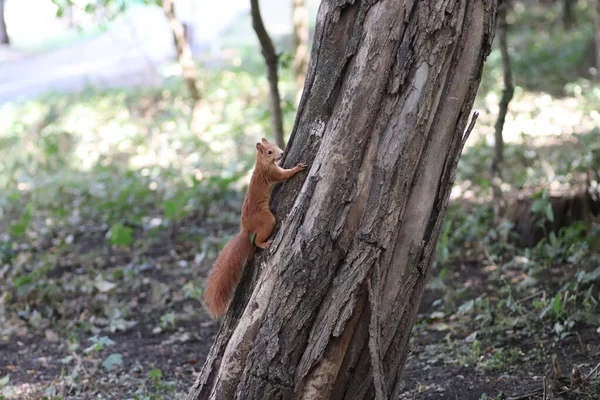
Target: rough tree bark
{"x":188,"y":65}
{"x":327,"y":311}
{"x":300,"y":65}
{"x":272,"y":62}
{"x":4,"y":39}
{"x":507,"y":94}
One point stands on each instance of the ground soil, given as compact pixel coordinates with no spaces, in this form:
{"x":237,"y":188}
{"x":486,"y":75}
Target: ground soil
{"x":439,"y":366}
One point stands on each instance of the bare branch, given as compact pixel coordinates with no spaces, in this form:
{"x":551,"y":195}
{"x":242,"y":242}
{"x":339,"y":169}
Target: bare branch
{"x":300,"y":22}
{"x":507,"y":95}
{"x":184,"y":53}
{"x":272,"y":61}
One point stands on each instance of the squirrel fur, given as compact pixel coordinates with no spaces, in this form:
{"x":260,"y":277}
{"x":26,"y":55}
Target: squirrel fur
{"x":256,"y":226}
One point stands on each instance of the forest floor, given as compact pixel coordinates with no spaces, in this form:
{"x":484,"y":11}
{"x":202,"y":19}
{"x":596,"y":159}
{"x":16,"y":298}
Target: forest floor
{"x":151,"y":335}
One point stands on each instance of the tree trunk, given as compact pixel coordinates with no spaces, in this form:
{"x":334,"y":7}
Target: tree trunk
{"x":507,"y":95}
{"x":4,"y":39}
{"x":596,"y":12}
{"x":272,"y":61}
{"x":186,"y":60}
{"x":568,"y":14}
{"x":327,"y":311}
{"x":300,"y":21}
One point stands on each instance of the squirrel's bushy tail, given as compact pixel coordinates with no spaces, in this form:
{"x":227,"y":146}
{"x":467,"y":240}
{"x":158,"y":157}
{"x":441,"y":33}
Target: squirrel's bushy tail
{"x":226,"y":272}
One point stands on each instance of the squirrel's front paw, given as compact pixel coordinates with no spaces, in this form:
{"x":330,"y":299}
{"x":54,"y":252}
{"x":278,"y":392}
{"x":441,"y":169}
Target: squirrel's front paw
{"x":301,"y":165}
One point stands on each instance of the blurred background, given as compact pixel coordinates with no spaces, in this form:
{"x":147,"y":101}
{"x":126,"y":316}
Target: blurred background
{"x":127,"y":133}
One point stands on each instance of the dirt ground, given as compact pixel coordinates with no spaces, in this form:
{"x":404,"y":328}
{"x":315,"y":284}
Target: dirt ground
{"x":50,"y":359}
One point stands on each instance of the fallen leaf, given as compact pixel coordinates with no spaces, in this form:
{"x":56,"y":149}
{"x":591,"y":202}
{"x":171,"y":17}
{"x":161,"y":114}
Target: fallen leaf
{"x":104,"y":286}
{"x":113,"y":360}
{"x":51,"y":336}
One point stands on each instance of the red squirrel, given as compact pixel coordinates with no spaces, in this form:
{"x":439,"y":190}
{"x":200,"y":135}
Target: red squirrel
{"x":256,"y":227}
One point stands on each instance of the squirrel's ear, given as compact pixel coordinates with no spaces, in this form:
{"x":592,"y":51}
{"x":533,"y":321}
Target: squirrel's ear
{"x":265,"y":141}
{"x":259,"y":147}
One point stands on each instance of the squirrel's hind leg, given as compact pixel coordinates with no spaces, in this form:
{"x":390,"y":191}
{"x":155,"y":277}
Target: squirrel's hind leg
{"x":264,"y":229}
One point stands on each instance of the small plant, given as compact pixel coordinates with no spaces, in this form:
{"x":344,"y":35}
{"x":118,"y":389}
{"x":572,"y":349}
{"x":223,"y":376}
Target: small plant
{"x":120,"y":235}
{"x":99,"y":343}
{"x":113,"y":360}
{"x":192,"y":292}
{"x":19,"y":228}
{"x":167,"y":321}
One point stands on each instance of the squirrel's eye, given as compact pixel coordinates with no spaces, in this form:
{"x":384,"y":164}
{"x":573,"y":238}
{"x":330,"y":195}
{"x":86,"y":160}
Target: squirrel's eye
{"x":269,"y":152}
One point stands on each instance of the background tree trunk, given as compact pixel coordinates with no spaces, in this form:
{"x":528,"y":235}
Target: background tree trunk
{"x":595,"y":4}
{"x":300,"y":21}
{"x":327,"y":312}
{"x":4,"y":39}
{"x":272,"y":61}
{"x":188,"y":65}
{"x":507,"y":94}
{"x":568,"y":14}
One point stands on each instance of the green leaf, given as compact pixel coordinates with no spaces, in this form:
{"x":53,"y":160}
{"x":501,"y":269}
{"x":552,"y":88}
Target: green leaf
{"x":591,"y":276}
{"x":538,"y":205}
{"x":20,"y":227}
{"x":170,"y":208}
{"x":115,"y":359}
{"x":4,"y":381}
{"x":99,"y":343}
{"x":444,"y":273}
{"x":467,"y":306}
{"x":23,"y":280}
{"x":155,"y":374}
{"x":120,"y":235}
{"x":549,"y":212}
{"x":557,"y":304}
{"x":102,"y":340}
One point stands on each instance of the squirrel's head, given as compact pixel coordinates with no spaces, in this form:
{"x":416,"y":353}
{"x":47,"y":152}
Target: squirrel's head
{"x":268,"y":152}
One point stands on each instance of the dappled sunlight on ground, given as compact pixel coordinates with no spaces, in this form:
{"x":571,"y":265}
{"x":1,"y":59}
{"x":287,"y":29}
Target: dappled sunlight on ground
{"x":538,"y":116}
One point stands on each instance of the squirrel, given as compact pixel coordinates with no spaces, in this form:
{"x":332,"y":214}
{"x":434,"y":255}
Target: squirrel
{"x":256,"y":226}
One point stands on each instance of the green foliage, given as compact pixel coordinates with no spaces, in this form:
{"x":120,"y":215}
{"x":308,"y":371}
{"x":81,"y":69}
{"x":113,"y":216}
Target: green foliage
{"x":542,"y":205}
{"x":168,"y":320}
{"x":113,"y":360}
{"x":158,"y":383}
{"x":19,"y":228}
{"x":99,"y":343}
{"x":120,"y":235}
{"x":544,"y":57}
{"x":155,"y":374}
{"x":549,"y":60}
{"x":109,"y":9}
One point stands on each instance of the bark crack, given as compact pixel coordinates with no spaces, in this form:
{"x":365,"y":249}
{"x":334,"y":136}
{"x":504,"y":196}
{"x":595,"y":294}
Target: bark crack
{"x":374,"y":287}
